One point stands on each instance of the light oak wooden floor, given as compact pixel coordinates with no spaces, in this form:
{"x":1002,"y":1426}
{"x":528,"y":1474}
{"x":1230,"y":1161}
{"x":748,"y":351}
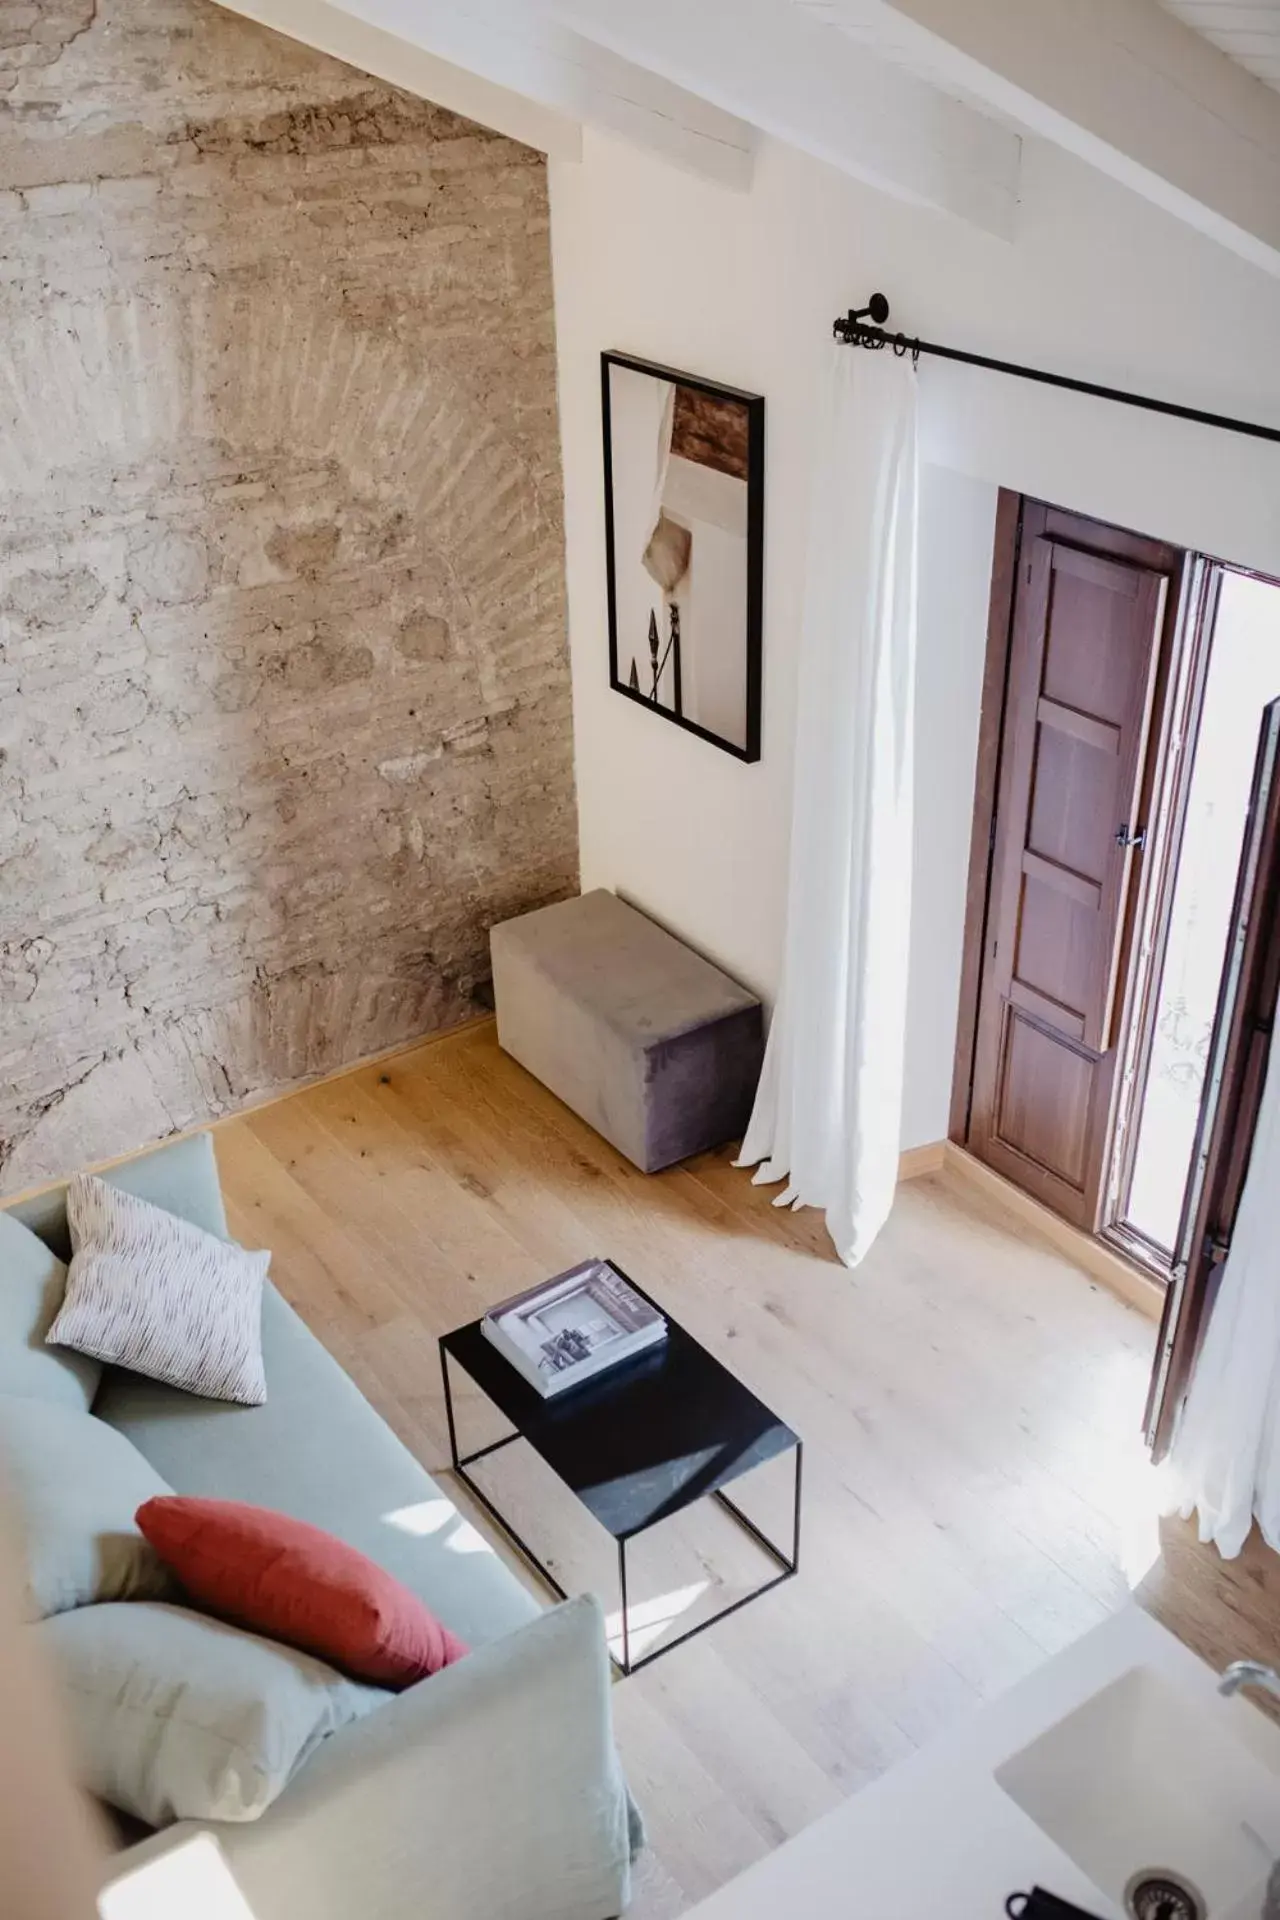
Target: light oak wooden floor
{"x":976,"y":1495}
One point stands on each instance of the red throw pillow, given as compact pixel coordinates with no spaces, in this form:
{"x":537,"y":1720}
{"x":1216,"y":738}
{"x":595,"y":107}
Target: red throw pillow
{"x":292,"y":1582}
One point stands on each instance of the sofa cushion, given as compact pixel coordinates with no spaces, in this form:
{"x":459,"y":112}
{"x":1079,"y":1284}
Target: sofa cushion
{"x":280,"y":1576}
{"x":181,"y":1177}
{"x":317,"y":1450}
{"x":162,"y":1297}
{"x":77,"y":1485}
{"x":174,"y":1716}
{"x":32,"y":1282}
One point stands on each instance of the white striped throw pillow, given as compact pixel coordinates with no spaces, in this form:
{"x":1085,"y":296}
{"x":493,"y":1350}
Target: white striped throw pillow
{"x":150,"y":1292}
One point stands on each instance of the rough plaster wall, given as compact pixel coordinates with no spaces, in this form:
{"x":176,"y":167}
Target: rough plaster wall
{"x":284,"y":706}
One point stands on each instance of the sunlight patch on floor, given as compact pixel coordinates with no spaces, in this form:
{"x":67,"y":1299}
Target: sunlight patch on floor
{"x":648,"y":1620}
{"x":1138,"y":1518}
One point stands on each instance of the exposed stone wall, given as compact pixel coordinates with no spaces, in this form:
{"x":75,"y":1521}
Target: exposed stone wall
{"x":284,"y":703}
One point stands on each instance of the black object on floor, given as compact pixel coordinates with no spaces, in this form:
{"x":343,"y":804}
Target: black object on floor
{"x":1039,"y":1905}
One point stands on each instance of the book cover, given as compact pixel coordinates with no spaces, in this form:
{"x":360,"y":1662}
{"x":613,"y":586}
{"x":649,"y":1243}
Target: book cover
{"x":574,"y":1326}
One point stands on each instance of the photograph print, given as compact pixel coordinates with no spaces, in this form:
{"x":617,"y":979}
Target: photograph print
{"x":684,"y":527}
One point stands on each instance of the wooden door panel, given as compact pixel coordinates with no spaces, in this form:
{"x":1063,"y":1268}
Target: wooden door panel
{"x":1101,"y":734}
{"x":1094,"y":598}
{"x":1086,"y":628}
{"x":1044,"y":1100}
{"x":1047,"y":881}
{"x":1055,"y":954}
{"x":1049,"y":1012}
{"x":1073,"y":799}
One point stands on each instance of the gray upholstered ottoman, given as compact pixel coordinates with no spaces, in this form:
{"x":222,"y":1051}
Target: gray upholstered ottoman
{"x":649,"y":1042}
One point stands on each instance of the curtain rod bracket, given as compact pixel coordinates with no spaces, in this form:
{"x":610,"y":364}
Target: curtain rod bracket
{"x":876,"y":309}
{"x":851,"y":329}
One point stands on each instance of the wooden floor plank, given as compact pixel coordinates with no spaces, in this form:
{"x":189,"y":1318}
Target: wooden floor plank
{"x":969,"y":1401}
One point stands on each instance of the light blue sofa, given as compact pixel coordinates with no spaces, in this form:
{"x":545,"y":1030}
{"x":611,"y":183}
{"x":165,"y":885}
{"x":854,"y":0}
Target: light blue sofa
{"x":492,"y":1791}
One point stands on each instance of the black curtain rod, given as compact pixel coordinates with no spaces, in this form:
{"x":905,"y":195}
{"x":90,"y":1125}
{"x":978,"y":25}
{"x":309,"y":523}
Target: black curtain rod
{"x":853,"y":330}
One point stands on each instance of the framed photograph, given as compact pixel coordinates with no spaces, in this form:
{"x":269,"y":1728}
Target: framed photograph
{"x":684,"y":534}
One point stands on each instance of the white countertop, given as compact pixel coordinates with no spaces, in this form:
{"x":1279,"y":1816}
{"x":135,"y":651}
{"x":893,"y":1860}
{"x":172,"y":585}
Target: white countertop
{"x":936,"y":1838}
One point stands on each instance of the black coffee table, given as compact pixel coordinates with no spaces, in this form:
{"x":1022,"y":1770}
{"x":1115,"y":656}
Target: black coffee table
{"x":635,"y":1445}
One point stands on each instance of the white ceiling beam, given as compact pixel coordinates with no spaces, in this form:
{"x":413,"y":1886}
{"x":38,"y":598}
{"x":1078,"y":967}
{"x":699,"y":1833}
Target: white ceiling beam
{"x":1122,"y":83}
{"x":693,"y":80}
{"x":509,"y":65}
{"x":804,"y":82}
{"x":346,"y":36}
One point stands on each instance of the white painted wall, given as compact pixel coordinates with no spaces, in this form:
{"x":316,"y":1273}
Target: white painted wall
{"x":743,"y":288}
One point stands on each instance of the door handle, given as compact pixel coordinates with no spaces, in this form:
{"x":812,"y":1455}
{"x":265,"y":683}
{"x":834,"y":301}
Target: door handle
{"x":1126,"y":839}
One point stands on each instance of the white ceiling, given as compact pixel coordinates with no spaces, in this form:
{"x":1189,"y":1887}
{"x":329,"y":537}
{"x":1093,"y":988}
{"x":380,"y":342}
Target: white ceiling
{"x":1249,"y":33}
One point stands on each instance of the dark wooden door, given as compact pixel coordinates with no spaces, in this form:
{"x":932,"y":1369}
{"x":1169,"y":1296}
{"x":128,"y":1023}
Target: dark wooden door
{"x":1066,"y":844}
{"x":1235,"y":1072}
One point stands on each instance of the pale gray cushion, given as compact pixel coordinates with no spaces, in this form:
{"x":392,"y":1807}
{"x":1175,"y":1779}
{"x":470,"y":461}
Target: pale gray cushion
{"x":77,"y":1485}
{"x":32,"y":1281}
{"x":178,"y":1717}
{"x":317,"y":1450}
{"x":159,"y":1296}
{"x":181,"y":1177}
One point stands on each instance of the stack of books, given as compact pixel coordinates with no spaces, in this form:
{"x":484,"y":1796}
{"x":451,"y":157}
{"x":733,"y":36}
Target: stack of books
{"x":574,"y":1327}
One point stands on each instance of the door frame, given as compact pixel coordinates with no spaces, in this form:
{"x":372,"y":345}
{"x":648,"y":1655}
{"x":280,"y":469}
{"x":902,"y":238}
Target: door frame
{"x":1243,"y":1028}
{"x":982,"y":838}
{"x":1091,"y":536}
{"x":1166,"y":800}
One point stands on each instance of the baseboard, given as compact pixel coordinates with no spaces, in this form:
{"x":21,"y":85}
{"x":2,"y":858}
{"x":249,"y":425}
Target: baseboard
{"x":918,"y":1160}
{"x":1099,"y":1261}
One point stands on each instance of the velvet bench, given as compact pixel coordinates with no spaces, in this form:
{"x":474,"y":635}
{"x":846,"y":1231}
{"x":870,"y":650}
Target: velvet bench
{"x":653,"y":1046}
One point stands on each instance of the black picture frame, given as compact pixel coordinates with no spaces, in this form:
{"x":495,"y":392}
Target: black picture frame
{"x":754,"y":405}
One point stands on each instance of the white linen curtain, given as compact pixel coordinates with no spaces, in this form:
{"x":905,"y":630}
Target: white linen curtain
{"x":1225,"y":1459}
{"x":828,"y":1111}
